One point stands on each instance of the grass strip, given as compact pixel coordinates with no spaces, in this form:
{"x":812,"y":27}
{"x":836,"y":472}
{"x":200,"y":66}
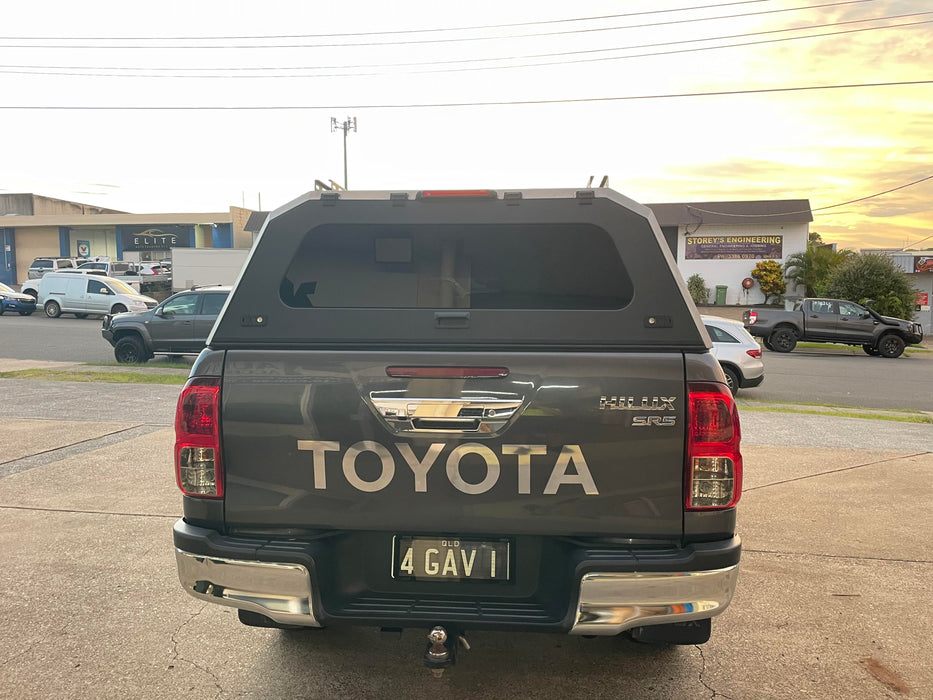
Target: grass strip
{"x":906,"y":418}
{"x":59,"y":375}
{"x":152,"y":365}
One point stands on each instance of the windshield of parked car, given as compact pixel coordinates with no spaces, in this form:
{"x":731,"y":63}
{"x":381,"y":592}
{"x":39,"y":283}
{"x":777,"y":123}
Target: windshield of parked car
{"x":121,"y":287}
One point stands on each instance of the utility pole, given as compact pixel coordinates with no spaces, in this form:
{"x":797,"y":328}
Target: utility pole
{"x":345,"y":127}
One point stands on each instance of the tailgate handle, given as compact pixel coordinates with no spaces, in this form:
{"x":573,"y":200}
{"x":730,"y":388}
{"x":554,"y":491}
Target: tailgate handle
{"x":412,"y":415}
{"x":452,"y":319}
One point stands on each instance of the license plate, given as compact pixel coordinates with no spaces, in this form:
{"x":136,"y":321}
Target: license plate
{"x":450,"y":559}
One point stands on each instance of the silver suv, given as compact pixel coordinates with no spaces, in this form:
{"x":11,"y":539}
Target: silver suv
{"x":178,"y":326}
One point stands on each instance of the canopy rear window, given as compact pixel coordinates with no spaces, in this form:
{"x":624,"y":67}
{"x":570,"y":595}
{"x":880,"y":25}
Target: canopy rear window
{"x":457,"y":266}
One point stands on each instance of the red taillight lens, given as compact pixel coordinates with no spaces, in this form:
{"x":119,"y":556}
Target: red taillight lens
{"x":198,"y":467}
{"x":714,"y":462}
{"x":752,"y":317}
{"x":753,"y":353}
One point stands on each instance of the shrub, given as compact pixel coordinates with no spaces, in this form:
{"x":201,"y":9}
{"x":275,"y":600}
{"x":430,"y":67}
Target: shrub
{"x":770,"y":278}
{"x":869,"y":276}
{"x":699,"y":292}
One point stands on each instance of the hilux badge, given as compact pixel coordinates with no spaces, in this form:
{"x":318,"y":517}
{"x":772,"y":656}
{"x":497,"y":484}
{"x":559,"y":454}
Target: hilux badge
{"x":644,"y":403}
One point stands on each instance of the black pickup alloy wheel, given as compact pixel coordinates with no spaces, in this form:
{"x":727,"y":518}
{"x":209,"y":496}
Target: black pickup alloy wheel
{"x":891,"y":346}
{"x":129,"y":351}
{"x":783,"y":340}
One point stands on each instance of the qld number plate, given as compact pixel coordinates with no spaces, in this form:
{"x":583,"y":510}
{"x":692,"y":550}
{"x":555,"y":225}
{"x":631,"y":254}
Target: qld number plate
{"x":450,"y":559}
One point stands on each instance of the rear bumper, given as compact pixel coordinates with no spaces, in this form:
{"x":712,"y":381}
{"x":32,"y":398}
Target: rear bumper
{"x":608,"y":591}
{"x":750,"y":382}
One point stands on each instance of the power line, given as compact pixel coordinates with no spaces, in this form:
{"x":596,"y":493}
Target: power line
{"x":69,"y":71}
{"x":808,"y":211}
{"x":413,"y":41}
{"x":440,"y":105}
{"x":384,"y":33}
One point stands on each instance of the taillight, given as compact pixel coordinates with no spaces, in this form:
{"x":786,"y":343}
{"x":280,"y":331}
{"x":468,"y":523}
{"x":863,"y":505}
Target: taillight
{"x":752,"y":317}
{"x":198,"y":467}
{"x":753,"y":353}
{"x":714,"y":462}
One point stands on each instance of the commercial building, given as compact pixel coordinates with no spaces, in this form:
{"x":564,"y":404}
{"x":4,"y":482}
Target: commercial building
{"x":723,"y":241}
{"x":33,"y":226}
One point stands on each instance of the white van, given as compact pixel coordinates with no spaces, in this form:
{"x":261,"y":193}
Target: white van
{"x":86,"y":295}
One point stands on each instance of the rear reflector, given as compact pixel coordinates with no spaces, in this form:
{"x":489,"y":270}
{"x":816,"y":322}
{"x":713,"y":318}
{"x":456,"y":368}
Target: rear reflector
{"x":447,"y":372}
{"x":198,"y":468}
{"x":714,"y":462}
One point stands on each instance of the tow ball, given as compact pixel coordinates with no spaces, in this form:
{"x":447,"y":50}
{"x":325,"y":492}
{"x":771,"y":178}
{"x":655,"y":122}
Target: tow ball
{"x":441,"y":650}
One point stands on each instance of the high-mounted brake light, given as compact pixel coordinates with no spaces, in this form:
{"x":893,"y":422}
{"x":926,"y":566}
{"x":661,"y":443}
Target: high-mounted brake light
{"x":440,"y":194}
{"x":198,"y":467}
{"x":714,"y":462}
{"x":447,"y":372}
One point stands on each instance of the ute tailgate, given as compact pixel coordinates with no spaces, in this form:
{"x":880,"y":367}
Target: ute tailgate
{"x":566,"y":443}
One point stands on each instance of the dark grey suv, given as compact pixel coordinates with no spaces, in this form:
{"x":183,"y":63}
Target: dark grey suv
{"x":178,"y":326}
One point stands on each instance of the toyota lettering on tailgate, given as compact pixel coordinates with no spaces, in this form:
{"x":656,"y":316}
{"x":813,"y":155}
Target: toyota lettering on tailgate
{"x":569,"y":469}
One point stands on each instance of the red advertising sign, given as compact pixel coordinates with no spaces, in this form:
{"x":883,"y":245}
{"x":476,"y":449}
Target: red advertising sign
{"x":923,"y":301}
{"x":923,"y":263}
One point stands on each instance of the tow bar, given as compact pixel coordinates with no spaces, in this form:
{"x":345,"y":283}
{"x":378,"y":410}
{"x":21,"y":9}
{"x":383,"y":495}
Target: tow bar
{"x":441,"y":650}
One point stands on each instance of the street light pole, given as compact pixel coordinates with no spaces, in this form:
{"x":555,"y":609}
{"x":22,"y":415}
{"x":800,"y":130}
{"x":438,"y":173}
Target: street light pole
{"x":345,"y":127}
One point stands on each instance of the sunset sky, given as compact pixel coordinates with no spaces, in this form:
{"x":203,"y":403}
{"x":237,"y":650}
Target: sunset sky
{"x":624,"y":89}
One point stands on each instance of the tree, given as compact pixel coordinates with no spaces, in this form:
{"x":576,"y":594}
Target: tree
{"x":770,"y":278}
{"x":869,"y":276}
{"x":699,"y":292}
{"x":813,"y":268}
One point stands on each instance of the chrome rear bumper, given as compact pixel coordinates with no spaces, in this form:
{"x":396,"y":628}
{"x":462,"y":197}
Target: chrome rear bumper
{"x":611,"y":603}
{"x":281,"y":592}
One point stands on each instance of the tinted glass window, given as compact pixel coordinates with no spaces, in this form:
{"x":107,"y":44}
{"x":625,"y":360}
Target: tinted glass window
{"x":95,"y":287}
{"x":822,"y":307}
{"x":719,"y":336}
{"x":527,"y":266}
{"x":64,"y":263}
{"x":212,"y":304}
{"x":42,"y":263}
{"x":185,"y":305}
{"x":848,"y":309}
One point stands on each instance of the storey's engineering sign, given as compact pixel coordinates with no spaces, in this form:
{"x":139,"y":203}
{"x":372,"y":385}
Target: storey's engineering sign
{"x":155,"y":238}
{"x":734,"y":247}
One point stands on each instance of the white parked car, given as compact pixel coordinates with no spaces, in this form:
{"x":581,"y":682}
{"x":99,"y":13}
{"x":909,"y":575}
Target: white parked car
{"x":89,"y":295}
{"x":738,"y":352}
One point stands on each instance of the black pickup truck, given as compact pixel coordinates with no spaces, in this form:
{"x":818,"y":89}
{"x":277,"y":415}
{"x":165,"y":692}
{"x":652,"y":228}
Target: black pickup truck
{"x":832,"y":321}
{"x":460,"y":411}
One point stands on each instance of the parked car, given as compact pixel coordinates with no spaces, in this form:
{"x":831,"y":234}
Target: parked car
{"x":31,"y":287}
{"x":832,"y":321}
{"x":41,"y":266}
{"x":738,"y":352}
{"x":178,"y":326}
{"x":89,"y":295}
{"x":151,"y":268}
{"x":11,"y":300}
{"x":112,"y":268}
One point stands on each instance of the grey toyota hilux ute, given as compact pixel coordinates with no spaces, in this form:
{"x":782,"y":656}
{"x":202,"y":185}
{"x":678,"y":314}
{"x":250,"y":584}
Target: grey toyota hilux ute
{"x":458,"y":411}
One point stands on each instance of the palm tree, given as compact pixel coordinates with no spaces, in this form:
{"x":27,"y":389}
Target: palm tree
{"x":813,"y":268}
